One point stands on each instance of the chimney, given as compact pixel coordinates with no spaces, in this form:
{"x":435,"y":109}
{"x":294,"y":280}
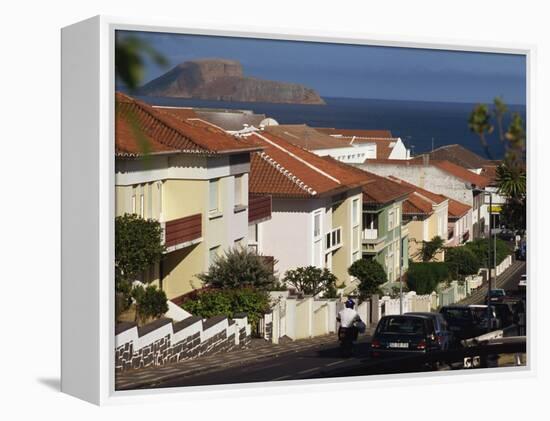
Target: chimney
{"x":426,"y":159}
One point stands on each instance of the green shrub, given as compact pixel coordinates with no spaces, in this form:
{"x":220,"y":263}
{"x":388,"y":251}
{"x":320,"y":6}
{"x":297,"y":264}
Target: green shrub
{"x":462,"y":261}
{"x":431,"y":248}
{"x":479,"y":248}
{"x":228,"y":302}
{"x":424,"y":277}
{"x":311,"y":280}
{"x":150,"y":302}
{"x":370,"y":274}
{"x":239,"y":268}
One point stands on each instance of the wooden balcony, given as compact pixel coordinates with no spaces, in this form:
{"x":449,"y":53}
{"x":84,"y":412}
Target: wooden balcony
{"x":259,"y":208}
{"x":183,"y":232}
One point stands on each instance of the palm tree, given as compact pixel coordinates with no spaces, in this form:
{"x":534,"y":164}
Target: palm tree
{"x":511,"y":181}
{"x":500,"y":110}
{"x":480,"y":123}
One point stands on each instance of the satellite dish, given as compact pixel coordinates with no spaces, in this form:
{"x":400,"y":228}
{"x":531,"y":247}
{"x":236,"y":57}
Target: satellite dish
{"x":268,"y":122}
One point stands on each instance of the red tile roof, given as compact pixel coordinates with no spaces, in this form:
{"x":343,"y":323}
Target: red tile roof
{"x":455,"y":209}
{"x":379,"y":190}
{"x":284,"y":169}
{"x":434,"y":197}
{"x":448,"y":167}
{"x":458,"y":155}
{"x":141,"y":128}
{"x":417,"y":205}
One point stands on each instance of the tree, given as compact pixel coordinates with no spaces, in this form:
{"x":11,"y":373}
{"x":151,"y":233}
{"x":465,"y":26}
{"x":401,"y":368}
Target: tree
{"x":311,"y":280}
{"x":370,"y":274}
{"x":500,"y":110}
{"x":131,"y":52}
{"x":138,"y":246}
{"x":480,"y":123}
{"x":431,"y":248}
{"x":511,"y":181}
{"x":150,"y":302}
{"x":462,"y":260}
{"x":238,"y":268}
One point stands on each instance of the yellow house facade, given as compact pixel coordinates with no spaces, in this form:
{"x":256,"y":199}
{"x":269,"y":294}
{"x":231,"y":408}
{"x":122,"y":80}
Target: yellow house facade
{"x":194,"y":181}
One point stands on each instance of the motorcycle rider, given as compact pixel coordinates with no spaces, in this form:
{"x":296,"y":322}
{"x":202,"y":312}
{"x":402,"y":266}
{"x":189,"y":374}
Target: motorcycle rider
{"x":347,"y":331}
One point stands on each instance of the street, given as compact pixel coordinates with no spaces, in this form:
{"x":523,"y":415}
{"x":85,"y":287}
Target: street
{"x":321,"y":361}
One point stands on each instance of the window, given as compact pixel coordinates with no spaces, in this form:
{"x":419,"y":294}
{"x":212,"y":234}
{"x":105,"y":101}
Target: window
{"x":133,"y":203}
{"x":391,"y":220}
{"x":141,"y":205}
{"x":214,"y":195}
{"x":212,"y":254}
{"x":238,"y":190}
{"x":355,"y":212}
{"x":333,"y":239}
{"x":317,"y":225}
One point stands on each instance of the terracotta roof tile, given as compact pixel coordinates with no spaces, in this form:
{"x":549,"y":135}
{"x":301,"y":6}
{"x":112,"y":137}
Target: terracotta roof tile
{"x":434,"y":197}
{"x":379,"y":190}
{"x":457,"y":209}
{"x":310,"y":175}
{"x":417,"y":205}
{"x":165,"y":131}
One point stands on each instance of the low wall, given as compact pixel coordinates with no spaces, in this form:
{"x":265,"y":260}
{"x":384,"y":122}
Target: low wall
{"x":163,"y":341}
{"x":298,"y":318}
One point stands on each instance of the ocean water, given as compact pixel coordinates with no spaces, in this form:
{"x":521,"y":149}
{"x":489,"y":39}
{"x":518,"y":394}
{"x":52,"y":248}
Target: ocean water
{"x":421,"y":124}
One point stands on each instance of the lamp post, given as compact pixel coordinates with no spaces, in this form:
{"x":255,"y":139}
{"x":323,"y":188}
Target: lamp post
{"x":489,"y":278}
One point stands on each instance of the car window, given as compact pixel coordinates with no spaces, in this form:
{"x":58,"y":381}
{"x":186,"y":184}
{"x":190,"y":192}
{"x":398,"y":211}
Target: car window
{"x":456,"y":313}
{"x":404,"y":325}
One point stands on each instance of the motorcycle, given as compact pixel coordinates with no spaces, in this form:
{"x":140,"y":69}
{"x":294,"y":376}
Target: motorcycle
{"x":347,"y":336}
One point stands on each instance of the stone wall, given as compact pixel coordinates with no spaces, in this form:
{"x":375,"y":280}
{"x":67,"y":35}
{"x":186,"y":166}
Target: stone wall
{"x":163,"y":341}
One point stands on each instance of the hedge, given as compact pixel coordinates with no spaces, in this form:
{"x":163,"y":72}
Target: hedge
{"x":423,"y":277}
{"x":228,"y":302}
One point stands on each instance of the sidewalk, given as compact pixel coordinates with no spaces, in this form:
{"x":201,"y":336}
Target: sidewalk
{"x":258,"y":349}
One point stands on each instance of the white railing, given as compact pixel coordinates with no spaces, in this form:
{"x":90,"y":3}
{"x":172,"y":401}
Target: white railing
{"x":370,"y":234}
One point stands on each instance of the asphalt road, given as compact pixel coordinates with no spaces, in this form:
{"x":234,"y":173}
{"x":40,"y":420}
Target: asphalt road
{"x":286,"y":367}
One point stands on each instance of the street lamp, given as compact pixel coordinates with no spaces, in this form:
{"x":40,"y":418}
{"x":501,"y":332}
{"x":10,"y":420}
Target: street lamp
{"x":489,"y":278}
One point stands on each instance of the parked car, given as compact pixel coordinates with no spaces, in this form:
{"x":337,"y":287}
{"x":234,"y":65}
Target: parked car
{"x":506,"y":234}
{"x":496,"y":295}
{"x":404,"y":334}
{"x":443,"y":335}
{"x":504,"y":314}
{"x":465,"y":321}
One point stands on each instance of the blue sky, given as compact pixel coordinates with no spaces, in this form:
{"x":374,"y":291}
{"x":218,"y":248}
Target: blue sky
{"x":358,"y":71}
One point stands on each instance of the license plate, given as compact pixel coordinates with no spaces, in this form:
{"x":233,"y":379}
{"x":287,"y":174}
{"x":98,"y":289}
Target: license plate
{"x":398,"y":345}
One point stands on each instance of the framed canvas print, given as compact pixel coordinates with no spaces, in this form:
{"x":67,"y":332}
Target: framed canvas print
{"x":249,"y":209}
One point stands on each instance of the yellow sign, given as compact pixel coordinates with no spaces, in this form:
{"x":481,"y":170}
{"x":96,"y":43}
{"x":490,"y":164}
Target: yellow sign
{"x":496,"y":209}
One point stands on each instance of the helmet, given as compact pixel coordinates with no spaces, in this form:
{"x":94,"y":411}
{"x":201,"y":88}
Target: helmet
{"x":350,"y":303}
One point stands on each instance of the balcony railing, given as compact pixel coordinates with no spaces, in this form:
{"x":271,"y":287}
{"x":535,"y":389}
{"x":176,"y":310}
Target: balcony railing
{"x":183,"y":232}
{"x":370,"y":234}
{"x":259,"y":209}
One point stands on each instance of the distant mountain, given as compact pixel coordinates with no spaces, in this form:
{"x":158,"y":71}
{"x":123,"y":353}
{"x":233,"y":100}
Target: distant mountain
{"x":223,"y":80}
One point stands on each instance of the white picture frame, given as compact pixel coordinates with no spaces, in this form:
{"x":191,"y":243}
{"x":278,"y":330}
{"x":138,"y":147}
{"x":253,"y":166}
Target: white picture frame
{"x":88,"y":206}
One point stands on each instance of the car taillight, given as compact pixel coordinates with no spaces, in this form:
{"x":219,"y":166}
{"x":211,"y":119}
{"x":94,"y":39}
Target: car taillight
{"x":375,"y":343}
{"x":421,"y":344}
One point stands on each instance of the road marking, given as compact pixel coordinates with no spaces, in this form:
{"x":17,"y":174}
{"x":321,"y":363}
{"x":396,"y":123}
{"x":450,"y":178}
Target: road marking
{"x":310,"y":370}
{"x":288,"y":376}
{"x":334,"y":363}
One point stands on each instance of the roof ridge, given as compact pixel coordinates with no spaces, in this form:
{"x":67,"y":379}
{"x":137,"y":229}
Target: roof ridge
{"x":297,"y":158}
{"x":296,"y":180}
{"x":153,"y":113}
